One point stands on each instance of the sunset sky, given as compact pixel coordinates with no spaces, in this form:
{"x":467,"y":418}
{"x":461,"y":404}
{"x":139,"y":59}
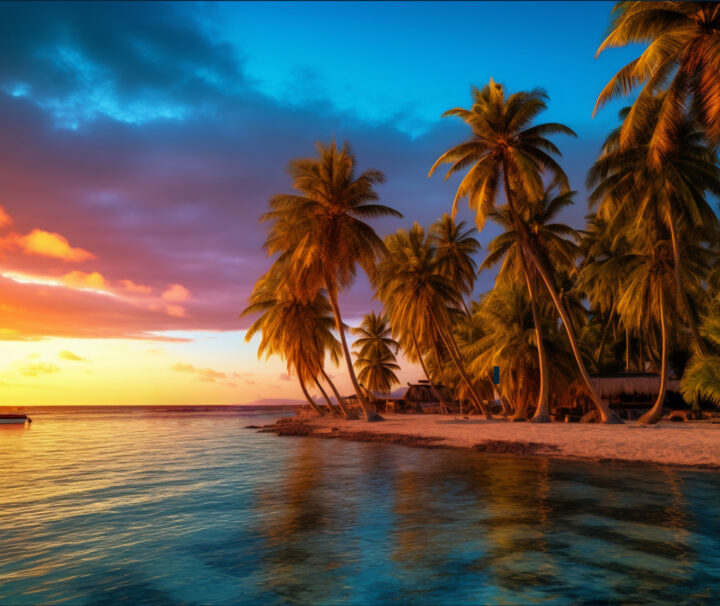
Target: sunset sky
{"x":141,"y":142}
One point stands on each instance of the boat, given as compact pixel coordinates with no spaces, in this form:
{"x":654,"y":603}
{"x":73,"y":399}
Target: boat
{"x":9,"y":418}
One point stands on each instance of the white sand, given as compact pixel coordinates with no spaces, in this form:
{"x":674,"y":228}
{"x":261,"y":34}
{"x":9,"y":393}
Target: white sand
{"x":691,"y":444}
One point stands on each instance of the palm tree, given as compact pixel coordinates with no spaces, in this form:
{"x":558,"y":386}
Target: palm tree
{"x":455,"y":246}
{"x":555,"y":238}
{"x":296,"y":329}
{"x":629,"y":187}
{"x":682,"y":58}
{"x":420,"y":300}
{"x":509,"y":340}
{"x":647,"y":294}
{"x":376,"y":351}
{"x":505,"y":146}
{"x":322,"y":233}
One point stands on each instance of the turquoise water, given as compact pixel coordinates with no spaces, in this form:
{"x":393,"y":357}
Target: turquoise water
{"x":158,"y":508}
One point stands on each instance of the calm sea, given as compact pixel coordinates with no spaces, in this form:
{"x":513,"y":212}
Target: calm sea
{"x":149,"y":507}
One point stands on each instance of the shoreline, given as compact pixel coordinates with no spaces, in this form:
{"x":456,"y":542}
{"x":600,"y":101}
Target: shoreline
{"x":693,"y":446}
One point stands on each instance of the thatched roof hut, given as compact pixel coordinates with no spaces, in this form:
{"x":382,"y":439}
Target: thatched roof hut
{"x":617,"y":385}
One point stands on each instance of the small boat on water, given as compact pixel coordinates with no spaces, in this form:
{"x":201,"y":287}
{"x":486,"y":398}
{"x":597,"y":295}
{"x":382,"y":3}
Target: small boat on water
{"x":14,"y":418}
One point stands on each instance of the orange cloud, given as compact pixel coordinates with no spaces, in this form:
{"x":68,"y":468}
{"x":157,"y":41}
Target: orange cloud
{"x":81,"y":279}
{"x":176,"y":311}
{"x":4,"y":218}
{"x":176,"y":292}
{"x":47,"y":244}
{"x":204,"y":374}
{"x":70,"y":356}
{"x":132,"y":287}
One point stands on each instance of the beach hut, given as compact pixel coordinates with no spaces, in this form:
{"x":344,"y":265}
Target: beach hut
{"x":418,"y":397}
{"x":633,"y":394}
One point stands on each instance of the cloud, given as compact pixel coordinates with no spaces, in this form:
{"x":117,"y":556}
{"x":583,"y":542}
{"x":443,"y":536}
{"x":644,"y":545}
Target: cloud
{"x":284,"y":377}
{"x":203,"y":374}
{"x":176,"y":292}
{"x":70,"y":356}
{"x":35,"y":370}
{"x":4,"y":218}
{"x":47,"y":244}
{"x":130,"y":286}
{"x":80,"y":279}
{"x":176,"y":311}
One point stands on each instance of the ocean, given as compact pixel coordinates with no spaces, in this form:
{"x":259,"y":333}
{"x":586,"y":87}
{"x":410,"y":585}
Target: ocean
{"x":151,"y":506}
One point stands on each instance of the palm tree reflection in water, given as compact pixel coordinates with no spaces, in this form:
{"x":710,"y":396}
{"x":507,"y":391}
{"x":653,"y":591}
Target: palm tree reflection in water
{"x":423,"y":526}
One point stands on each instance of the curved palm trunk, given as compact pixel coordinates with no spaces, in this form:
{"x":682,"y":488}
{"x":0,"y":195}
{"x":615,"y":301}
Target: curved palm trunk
{"x":338,"y":397}
{"x":370,"y":415}
{"x":653,"y":415}
{"x":312,"y":403}
{"x":454,"y":354}
{"x":442,"y":401}
{"x":606,"y":415}
{"x":542,"y":410}
{"x":700,"y":345}
{"x":331,"y":408}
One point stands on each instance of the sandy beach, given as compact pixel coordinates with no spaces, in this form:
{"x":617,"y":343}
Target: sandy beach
{"x":685,"y":444}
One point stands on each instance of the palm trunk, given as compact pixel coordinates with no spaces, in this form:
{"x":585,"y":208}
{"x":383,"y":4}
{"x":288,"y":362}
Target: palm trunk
{"x":542,"y":411}
{"x":653,"y":415}
{"x":442,"y":401}
{"x":698,"y":341}
{"x":370,"y":415}
{"x":627,"y":350}
{"x":454,"y":354}
{"x":312,"y":403}
{"x":331,"y":408}
{"x":605,"y":331}
{"x":606,"y":415}
{"x":338,"y":397}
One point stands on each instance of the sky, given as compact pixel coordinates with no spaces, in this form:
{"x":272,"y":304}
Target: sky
{"x":140,"y":143}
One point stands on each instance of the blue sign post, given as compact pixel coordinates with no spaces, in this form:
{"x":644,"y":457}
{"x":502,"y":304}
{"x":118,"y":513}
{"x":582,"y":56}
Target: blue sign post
{"x":496,"y":375}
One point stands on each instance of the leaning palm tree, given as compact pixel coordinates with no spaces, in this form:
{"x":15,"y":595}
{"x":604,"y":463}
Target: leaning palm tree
{"x":296,"y":329}
{"x":505,"y":146}
{"x":321,"y":231}
{"x":682,"y":58}
{"x":376,"y":362}
{"x":421,"y":300}
{"x":559,"y":240}
{"x":455,"y":247}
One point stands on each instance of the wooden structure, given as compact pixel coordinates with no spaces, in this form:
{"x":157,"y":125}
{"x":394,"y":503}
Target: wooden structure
{"x":418,"y":397}
{"x":633,"y":394}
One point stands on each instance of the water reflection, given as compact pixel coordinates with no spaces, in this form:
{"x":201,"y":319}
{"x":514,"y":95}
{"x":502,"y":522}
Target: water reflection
{"x":198,"y":510}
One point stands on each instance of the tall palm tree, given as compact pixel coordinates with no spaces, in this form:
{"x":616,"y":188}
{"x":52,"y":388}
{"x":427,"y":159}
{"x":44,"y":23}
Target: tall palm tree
{"x":682,"y":58}
{"x":376,"y":349}
{"x":420,"y":300}
{"x":455,"y":246}
{"x":298,"y":330}
{"x":629,"y":187}
{"x":505,"y":146}
{"x":559,"y":240}
{"x":321,"y":231}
